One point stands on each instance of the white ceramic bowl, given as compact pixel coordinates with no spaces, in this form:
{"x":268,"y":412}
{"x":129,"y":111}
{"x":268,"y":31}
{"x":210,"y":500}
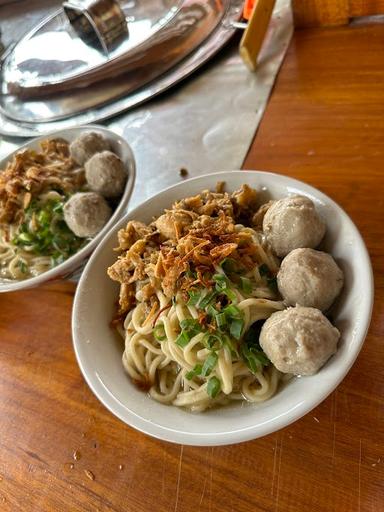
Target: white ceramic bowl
{"x":123,"y":150}
{"x":99,"y":351}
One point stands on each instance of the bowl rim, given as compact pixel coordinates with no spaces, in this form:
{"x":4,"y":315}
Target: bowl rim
{"x":71,"y":264}
{"x":248,"y":433}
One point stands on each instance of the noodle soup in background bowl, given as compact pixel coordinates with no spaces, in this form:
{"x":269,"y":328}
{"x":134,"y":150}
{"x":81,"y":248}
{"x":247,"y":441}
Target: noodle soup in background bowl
{"x":99,"y":350}
{"x":122,"y":149}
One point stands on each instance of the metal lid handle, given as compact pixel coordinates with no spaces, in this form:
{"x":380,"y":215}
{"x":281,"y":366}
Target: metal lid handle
{"x":100,"y":22}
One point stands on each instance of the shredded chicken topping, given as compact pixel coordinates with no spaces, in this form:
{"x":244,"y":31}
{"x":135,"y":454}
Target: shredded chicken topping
{"x":31,"y":173}
{"x":181,"y":248}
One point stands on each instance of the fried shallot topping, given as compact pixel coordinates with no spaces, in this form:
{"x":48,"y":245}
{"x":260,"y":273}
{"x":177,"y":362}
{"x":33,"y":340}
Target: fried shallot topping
{"x":183,"y":247}
{"x":30,"y":173}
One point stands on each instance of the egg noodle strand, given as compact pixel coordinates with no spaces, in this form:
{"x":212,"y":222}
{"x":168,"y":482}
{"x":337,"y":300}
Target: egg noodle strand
{"x":14,"y":259}
{"x":164,"y":365}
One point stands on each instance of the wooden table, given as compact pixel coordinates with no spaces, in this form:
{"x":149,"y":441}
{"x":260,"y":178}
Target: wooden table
{"x":324,"y":125}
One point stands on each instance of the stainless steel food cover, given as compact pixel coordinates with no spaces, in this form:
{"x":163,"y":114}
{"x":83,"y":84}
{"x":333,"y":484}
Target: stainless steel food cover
{"x":55,"y":55}
{"x":92,"y":52}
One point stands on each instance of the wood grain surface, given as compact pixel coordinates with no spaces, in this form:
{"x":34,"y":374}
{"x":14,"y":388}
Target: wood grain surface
{"x":318,"y":13}
{"x":324,"y":125}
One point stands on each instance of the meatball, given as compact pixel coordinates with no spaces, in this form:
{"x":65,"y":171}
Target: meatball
{"x":291,"y":223}
{"x":86,"y":145}
{"x":106,"y":174}
{"x":299,"y":340}
{"x":309,"y":278}
{"x":86,"y":213}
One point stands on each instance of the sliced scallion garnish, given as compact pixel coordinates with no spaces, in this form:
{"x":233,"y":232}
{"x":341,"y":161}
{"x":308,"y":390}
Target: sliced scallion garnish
{"x":223,"y":286}
{"x":221,"y":281}
{"x":254,"y":359}
{"x":221,"y":320}
{"x":159,"y":332}
{"x":45,"y":232}
{"x":236,"y":328}
{"x":232,"y":311}
{"x":209,"y":364}
{"x":22,"y":266}
{"x":229,"y":266}
{"x":203,"y":303}
{"x":189,"y":324}
{"x":189,"y":328}
{"x":213,"y":387}
{"x":251,"y":351}
{"x":227,"y":341}
{"x":196,"y":371}
{"x":183,"y":339}
{"x":194,"y":297}
{"x":213,"y":341}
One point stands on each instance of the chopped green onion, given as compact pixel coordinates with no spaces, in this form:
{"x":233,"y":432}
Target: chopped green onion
{"x":264,"y":270}
{"x":50,"y":234}
{"x":254,"y":359}
{"x":159,"y":332}
{"x":252,"y":362}
{"x":221,"y":282}
{"x":213,"y":387}
{"x":221,"y":320}
{"x":191,"y":326}
{"x":43,"y":218}
{"x":230,"y":294}
{"x":194,"y":297}
{"x":251,"y":351}
{"x":188,"y":324}
{"x":22,"y":266}
{"x":183,"y":339}
{"x":211,"y":310}
{"x":223,"y":286}
{"x":207,"y":300}
{"x":194,"y":373}
{"x":229,"y":265}
{"x":209,"y":364}
{"x":232,"y":266}
{"x":232,"y":347}
{"x":261,"y":357}
{"x":236,"y":328}
{"x":232,"y":311}
{"x":26,"y":238}
{"x":246,"y":285}
{"x":213,"y":341}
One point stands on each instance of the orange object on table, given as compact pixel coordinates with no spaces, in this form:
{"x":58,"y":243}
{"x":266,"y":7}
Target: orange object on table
{"x":248,"y":8}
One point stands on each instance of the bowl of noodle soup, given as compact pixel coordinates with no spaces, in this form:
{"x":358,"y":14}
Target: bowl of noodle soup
{"x":208,"y":412}
{"x":21,"y":266}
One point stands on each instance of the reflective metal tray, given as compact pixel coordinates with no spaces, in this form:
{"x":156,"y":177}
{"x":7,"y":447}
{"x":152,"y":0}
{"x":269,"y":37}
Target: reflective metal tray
{"x":110,"y":96}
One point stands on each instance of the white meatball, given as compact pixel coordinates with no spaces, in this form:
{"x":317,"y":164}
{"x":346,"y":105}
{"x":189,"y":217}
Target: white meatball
{"x":309,"y":278}
{"x":106,"y":174}
{"x":291,"y":223}
{"x":86,"y":213}
{"x":299,"y":340}
{"x":86,"y":145}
